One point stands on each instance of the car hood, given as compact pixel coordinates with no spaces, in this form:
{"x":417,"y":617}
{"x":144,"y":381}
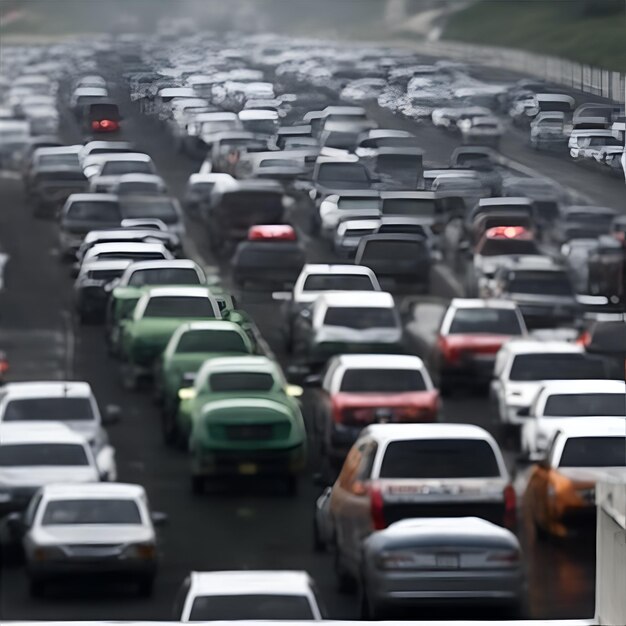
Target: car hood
{"x":93,"y":534}
{"x":37,"y":476}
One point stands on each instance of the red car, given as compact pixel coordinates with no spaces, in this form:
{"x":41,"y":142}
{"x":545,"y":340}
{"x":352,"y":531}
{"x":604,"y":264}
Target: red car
{"x":361,"y":389}
{"x":471,"y":334}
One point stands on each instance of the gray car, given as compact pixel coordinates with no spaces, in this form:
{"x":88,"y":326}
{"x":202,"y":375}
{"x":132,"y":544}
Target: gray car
{"x":441,"y":560}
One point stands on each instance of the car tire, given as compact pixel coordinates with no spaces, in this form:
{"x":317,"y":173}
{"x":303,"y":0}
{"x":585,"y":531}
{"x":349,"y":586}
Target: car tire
{"x":197,"y":484}
{"x":36,"y":587}
{"x":145,"y":587}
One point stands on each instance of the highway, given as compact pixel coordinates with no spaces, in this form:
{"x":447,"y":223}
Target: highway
{"x":242,"y":526}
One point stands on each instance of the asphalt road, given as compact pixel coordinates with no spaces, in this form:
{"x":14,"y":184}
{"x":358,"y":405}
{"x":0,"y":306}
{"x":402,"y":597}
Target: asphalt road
{"x":242,"y":526}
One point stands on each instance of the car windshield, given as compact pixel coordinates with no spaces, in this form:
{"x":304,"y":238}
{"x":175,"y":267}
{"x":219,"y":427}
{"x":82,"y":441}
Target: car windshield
{"x":488,"y":321}
{"x":48,"y":409}
{"x":117,"y":168}
{"x":373,"y":380}
{"x":548,"y":283}
{"x":585,"y":405}
{"x":360,"y":318}
{"x":164,"y":276}
{"x":501,"y":247}
{"x":356,"y":204}
{"x":439,"y":458}
{"x":104,"y":275}
{"x":251,"y":607}
{"x":594,"y":452}
{"x":91,"y":511}
{"x":94,"y":211}
{"x":550,"y":366}
{"x":343,"y":172}
{"x":338,"y":282}
{"x":241,"y":381}
{"x":42,"y":455}
{"x":211,"y":341}
{"x":158,"y":208}
{"x":138,"y":188}
{"x":393,"y":249}
{"x":179,"y":306}
{"x":58,"y":159}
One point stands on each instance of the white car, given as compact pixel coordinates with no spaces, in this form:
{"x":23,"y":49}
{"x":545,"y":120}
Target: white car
{"x":247,"y":595}
{"x":523,"y":365}
{"x":112,"y":166}
{"x":351,"y":204}
{"x":41,"y":453}
{"x":559,"y":402}
{"x":83,"y":530}
{"x":128,"y":250}
{"x":582,"y":141}
{"x":67,"y":402}
{"x":349,"y":233}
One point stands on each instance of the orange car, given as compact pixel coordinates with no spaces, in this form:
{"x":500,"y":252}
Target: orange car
{"x":560,"y":495}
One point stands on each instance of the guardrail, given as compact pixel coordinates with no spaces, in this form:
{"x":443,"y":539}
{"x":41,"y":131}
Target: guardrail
{"x":579,"y":76}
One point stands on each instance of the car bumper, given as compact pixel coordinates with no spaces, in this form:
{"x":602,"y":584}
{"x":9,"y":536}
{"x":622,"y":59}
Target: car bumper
{"x":76,"y":567}
{"x":477,"y":368}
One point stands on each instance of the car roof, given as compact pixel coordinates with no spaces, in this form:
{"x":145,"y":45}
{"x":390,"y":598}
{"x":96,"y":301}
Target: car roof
{"x":593,"y":427}
{"x":592,"y":210}
{"x":101,"y":490}
{"x":126,"y":246}
{"x":380,"y":361}
{"x":366,"y":299}
{"x":508,"y":200}
{"x":93,"y":197}
{"x":457,"y":526}
{"x":247,"y":115}
{"x":253,"y":362}
{"x":38,"y":432}
{"x":107,"y":264}
{"x":385,"y":433}
{"x":530,"y":346}
{"x":127,"y":156}
{"x":46,"y":151}
{"x":245,"y":582}
{"x":199,"y":291}
{"x":163,"y":264}
{"x":478,"y":303}
{"x":335,"y":268}
{"x":46,"y":389}
{"x":584,"y":386}
{"x":144,"y":178}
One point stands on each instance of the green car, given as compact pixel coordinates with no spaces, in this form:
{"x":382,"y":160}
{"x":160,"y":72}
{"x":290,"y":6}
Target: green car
{"x":139,"y":277}
{"x":157,"y":314}
{"x":189,"y":347}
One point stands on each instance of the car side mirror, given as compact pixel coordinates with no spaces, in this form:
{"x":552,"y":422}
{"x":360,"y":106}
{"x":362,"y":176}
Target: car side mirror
{"x":159,"y":518}
{"x":112,"y":415}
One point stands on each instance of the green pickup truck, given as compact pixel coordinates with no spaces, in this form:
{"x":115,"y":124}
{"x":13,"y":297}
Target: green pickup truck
{"x":242,"y":418}
{"x":189,"y":347}
{"x":157,"y":314}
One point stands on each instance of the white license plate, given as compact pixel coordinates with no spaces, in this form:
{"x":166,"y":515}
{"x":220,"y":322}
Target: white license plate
{"x":447,"y":561}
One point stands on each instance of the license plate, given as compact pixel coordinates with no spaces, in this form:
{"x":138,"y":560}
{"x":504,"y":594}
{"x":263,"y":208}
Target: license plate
{"x":447,"y":561}
{"x":248,"y":469}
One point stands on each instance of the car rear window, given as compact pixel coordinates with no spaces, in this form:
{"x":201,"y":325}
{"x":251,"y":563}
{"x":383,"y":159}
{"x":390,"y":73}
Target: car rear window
{"x":138,"y":188}
{"x":594,"y":452}
{"x":360,"y":318}
{"x":164,"y":276}
{"x":117,"y":168}
{"x":206,"y":340}
{"x":241,"y":381}
{"x":91,"y":511}
{"x":382,"y":381}
{"x":158,"y":208}
{"x":58,"y":159}
{"x":342,"y":172}
{"x":338,"y":282}
{"x":501,"y":247}
{"x":48,"y":409}
{"x":251,"y":607}
{"x":390,"y":249}
{"x":42,"y":455}
{"x":179,"y":306}
{"x":551,"y":283}
{"x":585,"y":405}
{"x":439,"y":458}
{"x":106,"y":275}
{"x":94,"y":211}
{"x":548,"y":366}
{"x":487,"y":321}
{"x":408,"y":206}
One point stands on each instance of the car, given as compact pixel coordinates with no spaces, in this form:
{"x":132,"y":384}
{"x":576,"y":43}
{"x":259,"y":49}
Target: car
{"x":126,"y":251}
{"x":247,"y":437}
{"x":522,"y":366}
{"x":316,"y":279}
{"x":594,"y":221}
{"x":560,"y":495}
{"x":332,"y":175}
{"x":349,"y":233}
{"x":471,"y":333}
{"x":442,"y":560}
{"x":71,"y":403}
{"x":50,"y":186}
{"x":606,"y":339}
{"x":547,"y":131}
{"x":541,"y":288}
{"x":416,"y":204}
{"x":482,"y":130}
{"x":120,"y":541}
{"x":351,"y":321}
{"x":41,"y":453}
{"x":82,"y":213}
{"x":90,"y":288}
{"x":198,"y":191}
{"x":156,"y":316}
{"x":272,"y":255}
{"x":399,"y":471}
{"x":139,"y":185}
{"x":356,"y":390}
{"x":189,"y":347}
{"x":163,"y":208}
{"x":582,"y":141}
{"x":138,"y":276}
{"x":102,"y":116}
{"x":247,"y":595}
{"x":111,"y":166}
{"x":14,"y":140}
{"x":403,"y":259}
{"x":50,"y":156}
{"x":358,"y":204}
{"x":560,"y":402}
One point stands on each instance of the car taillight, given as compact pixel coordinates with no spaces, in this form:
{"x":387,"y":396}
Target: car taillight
{"x":416,"y":413}
{"x":95,"y":125}
{"x":503,"y":556}
{"x":104,"y":125}
{"x":4,"y":364}
{"x":450,"y":353}
{"x":376,"y":508}
{"x":510,"y":506}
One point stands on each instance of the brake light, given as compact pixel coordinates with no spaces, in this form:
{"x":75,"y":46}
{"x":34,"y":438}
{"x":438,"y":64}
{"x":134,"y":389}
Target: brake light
{"x":508,"y":232}
{"x":95,"y":125}
{"x":376,"y":508}
{"x":4,"y":364}
{"x":450,"y":353}
{"x":281,"y":232}
{"x":508,"y":556}
{"x":104,"y":125}
{"x":510,"y":506}
{"x":584,"y":339}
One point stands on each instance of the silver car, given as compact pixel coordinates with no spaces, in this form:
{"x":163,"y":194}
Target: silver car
{"x":441,"y":560}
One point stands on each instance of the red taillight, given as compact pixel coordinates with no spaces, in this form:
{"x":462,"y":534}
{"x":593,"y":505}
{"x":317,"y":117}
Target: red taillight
{"x":449,"y":353}
{"x":95,"y":125}
{"x":107,"y":125}
{"x":506,"y":556}
{"x":584,"y":339}
{"x":510,"y":506}
{"x":4,"y":364}
{"x":376,"y":508}
{"x":282,"y":232}
{"x":508,"y":232}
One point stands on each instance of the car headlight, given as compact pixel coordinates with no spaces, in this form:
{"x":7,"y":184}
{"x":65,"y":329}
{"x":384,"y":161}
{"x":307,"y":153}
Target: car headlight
{"x":145,"y":551}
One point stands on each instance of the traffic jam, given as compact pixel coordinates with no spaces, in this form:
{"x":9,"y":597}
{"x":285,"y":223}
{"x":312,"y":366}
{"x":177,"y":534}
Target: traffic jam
{"x":289,"y":332}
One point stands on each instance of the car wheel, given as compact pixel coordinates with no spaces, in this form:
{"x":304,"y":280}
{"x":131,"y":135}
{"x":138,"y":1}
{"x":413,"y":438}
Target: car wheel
{"x":145,"y":587}
{"x":36,"y":587}
{"x":197,"y":484}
